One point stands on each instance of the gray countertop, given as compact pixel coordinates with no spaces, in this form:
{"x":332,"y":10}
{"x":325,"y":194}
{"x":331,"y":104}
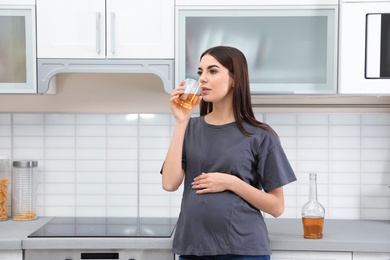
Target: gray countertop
{"x":285,"y":234}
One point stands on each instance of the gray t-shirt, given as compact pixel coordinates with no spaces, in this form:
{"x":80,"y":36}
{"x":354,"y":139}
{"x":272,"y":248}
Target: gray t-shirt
{"x":223,"y":223}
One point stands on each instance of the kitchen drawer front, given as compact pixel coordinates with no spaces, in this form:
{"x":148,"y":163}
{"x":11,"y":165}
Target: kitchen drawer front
{"x":78,"y":254}
{"x":371,"y":256}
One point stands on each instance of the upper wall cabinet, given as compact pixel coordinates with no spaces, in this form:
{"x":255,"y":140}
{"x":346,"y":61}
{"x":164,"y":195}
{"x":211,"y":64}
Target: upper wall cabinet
{"x":364,"y":48}
{"x":289,"y":49}
{"x":122,"y":29}
{"x":17,"y":47}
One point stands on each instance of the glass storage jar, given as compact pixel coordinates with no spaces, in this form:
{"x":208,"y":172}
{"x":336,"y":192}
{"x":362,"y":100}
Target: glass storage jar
{"x":24,"y":190}
{"x":5,"y":169}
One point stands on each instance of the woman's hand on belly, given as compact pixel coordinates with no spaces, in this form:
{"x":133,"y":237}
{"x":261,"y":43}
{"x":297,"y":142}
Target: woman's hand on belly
{"x":212,"y":182}
{"x":271,"y":202}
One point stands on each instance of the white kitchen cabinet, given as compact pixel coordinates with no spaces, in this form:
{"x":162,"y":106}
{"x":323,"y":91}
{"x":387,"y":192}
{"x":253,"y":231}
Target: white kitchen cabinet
{"x":11,"y":255}
{"x":289,"y":50}
{"x":256,"y":2}
{"x":310,"y":255}
{"x":17,"y":47}
{"x":100,"y":29}
{"x":371,"y":256}
{"x":354,"y":49}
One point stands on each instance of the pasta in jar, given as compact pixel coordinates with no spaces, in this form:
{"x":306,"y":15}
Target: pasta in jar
{"x":3,"y":198}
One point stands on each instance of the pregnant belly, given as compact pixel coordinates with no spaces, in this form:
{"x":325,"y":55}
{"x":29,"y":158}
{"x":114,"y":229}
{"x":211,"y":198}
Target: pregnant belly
{"x":211,"y":211}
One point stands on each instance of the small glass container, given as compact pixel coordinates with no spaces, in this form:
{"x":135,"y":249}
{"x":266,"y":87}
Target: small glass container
{"x":5,"y":168}
{"x":313,"y":212}
{"x":24,"y":190}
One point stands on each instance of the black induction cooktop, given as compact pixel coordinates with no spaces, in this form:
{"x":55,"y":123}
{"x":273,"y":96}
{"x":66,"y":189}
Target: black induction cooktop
{"x":106,"y":227}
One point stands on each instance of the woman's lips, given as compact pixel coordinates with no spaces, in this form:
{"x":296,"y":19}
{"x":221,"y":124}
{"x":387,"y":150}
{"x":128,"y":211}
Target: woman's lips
{"x":205,"y":91}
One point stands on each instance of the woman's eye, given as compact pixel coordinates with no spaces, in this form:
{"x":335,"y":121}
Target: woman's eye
{"x":213,"y":71}
{"x":199,"y":73}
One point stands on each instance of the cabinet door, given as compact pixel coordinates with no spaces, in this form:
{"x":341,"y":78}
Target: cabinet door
{"x":71,"y":28}
{"x":306,"y":255}
{"x":140,"y":29}
{"x":371,"y":256}
{"x":17,"y":49}
{"x":11,"y":255}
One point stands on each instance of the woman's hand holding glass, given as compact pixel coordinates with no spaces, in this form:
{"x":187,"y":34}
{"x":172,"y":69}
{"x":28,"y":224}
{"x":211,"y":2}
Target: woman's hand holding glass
{"x":180,"y":112}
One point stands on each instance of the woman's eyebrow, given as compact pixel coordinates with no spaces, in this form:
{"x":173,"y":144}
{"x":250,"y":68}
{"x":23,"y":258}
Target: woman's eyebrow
{"x":209,"y":67}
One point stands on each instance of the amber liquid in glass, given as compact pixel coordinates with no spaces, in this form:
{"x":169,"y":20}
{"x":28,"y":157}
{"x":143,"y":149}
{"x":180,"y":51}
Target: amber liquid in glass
{"x":312,"y":227}
{"x":189,"y":102}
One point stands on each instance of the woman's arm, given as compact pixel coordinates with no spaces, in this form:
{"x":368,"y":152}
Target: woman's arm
{"x":172,"y":172}
{"x":270,"y":202}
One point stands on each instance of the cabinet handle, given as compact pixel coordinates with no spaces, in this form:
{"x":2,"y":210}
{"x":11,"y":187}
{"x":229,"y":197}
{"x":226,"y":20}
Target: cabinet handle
{"x":98,"y":31}
{"x":113,"y":33}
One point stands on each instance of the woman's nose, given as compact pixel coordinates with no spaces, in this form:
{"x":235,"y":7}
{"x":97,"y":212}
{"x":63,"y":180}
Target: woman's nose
{"x":201,"y":78}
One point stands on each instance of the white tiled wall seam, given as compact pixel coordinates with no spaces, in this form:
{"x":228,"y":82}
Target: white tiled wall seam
{"x":109,"y":164}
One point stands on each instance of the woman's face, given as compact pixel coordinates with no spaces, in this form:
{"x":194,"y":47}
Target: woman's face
{"x":215,"y":79}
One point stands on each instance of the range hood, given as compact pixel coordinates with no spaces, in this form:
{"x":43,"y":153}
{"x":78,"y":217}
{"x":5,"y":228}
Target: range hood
{"x":48,"y":68}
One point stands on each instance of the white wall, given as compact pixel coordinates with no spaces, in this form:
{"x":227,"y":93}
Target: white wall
{"x":107,"y":164}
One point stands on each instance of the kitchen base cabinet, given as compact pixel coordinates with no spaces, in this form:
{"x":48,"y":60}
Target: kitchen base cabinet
{"x":76,"y":254}
{"x":11,"y":255}
{"x":371,"y":256}
{"x":310,"y":255}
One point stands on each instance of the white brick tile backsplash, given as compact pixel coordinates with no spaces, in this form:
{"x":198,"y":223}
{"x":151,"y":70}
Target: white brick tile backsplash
{"x":28,"y":142}
{"x":375,"y":131}
{"x":376,"y":119}
{"x":122,"y":119}
{"x":28,"y":153}
{"x":60,"y":119}
{"x":376,"y":142}
{"x":91,"y":130}
{"x":5,"y":119}
{"x":60,"y":200}
{"x":60,"y":153}
{"x":312,"y":142}
{"x":122,"y":142}
{"x":88,"y":153}
{"x":279,"y":119}
{"x":155,"y":119}
{"x":344,"y":130}
{"x":122,"y":200}
{"x":312,"y":119}
{"x":154,"y":131}
{"x":122,"y":130}
{"x":313,"y":130}
{"x":5,"y":130}
{"x":122,"y":166}
{"x":312,"y":154}
{"x":91,"y":119}
{"x":27,"y":119}
{"x":344,"y":119}
{"x":91,"y":200}
{"x":285,"y":130}
{"x":60,"y":130}
{"x":344,"y":142}
{"x":109,"y":164}
{"x":62,"y":177}
{"x":93,"y":176}
{"x":60,"y":142}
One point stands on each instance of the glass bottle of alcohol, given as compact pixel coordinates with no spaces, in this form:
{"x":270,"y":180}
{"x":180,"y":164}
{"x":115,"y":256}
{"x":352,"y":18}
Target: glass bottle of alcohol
{"x":313,"y":212}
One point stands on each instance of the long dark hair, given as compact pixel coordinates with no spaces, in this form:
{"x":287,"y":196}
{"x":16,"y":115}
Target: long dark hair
{"x":234,"y":60}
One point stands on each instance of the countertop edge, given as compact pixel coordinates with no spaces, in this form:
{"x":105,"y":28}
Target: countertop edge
{"x":285,"y":235}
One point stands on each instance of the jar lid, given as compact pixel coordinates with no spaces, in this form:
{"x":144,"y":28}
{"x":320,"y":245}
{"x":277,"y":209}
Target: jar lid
{"x":25,"y":164}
